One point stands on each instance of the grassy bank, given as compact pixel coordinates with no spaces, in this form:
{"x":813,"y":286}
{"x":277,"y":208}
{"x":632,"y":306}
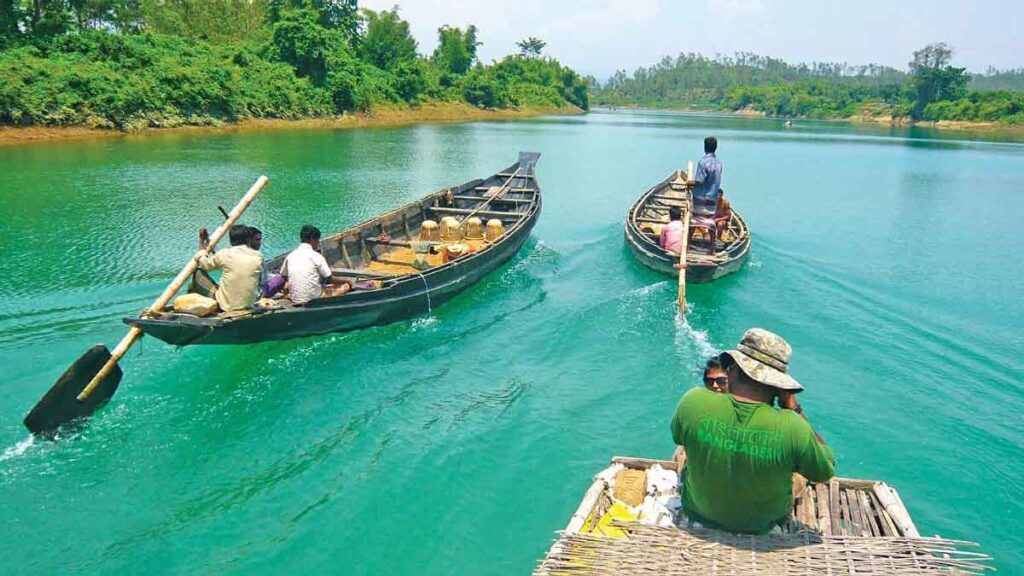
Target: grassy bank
{"x":378,"y":117}
{"x":932,"y":92}
{"x":130,"y":67}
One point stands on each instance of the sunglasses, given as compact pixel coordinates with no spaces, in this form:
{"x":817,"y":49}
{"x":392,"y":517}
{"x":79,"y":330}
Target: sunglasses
{"x":721,"y":380}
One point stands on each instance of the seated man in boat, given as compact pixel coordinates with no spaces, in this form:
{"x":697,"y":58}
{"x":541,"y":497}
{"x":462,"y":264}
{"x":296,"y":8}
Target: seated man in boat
{"x":741,"y":451}
{"x":270,"y":284}
{"x":723,"y":213}
{"x":305,"y":269}
{"x":239,"y":283}
{"x":672,"y":233}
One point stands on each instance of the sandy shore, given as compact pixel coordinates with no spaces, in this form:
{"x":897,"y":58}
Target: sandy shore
{"x":381,"y":116}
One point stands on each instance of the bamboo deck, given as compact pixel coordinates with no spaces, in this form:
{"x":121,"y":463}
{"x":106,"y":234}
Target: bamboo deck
{"x":845,"y":526}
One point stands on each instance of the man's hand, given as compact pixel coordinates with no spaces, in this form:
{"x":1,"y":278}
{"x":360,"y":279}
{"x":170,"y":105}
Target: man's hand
{"x":679,"y":266}
{"x":788,"y":401}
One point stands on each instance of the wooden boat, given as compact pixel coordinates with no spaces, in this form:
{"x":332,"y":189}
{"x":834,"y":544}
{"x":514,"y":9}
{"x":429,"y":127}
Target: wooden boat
{"x":383,"y":250}
{"x":629,"y":523}
{"x":650,"y":213}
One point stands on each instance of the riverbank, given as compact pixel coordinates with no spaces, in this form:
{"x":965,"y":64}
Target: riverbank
{"x":378,"y":117}
{"x":994,"y":128}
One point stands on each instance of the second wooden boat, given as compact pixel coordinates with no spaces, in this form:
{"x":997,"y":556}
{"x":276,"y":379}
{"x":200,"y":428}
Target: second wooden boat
{"x":650,"y":213}
{"x":384,"y":249}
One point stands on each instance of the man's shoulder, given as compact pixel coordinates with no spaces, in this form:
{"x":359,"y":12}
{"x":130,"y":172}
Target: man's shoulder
{"x":699,"y":395}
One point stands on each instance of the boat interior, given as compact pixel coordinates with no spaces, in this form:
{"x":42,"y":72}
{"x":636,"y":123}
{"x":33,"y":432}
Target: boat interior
{"x":650,"y":215}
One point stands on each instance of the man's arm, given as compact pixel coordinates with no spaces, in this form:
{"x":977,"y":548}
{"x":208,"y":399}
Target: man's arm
{"x":700,"y":174}
{"x":208,"y":261}
{"x":814,"y":459}
{"x":788,"y":401}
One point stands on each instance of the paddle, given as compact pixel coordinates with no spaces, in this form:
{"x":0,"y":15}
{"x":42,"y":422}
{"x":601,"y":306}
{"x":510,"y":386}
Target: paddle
{"x":683,"y":248}
{"x":93,"y":378}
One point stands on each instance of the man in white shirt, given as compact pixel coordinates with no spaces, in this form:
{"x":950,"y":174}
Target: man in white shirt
{"x":305,"y":269}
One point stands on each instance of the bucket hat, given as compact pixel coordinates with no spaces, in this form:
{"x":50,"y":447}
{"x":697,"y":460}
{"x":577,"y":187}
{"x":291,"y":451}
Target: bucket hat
{"x":764,"y":356}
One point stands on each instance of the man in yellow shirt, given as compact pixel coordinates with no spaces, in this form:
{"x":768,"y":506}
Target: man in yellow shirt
{"x":238,"y":288}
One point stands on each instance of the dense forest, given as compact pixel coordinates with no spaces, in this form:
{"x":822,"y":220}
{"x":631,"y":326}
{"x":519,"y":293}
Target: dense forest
{"x":931,"y":89}
{"x":131,"y":64}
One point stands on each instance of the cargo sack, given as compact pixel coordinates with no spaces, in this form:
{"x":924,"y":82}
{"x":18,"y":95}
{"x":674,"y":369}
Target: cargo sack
{"x":195,"y":304}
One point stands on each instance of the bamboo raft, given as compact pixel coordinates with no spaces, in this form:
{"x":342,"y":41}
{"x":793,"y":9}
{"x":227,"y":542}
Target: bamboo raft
{"x":629,"y":523}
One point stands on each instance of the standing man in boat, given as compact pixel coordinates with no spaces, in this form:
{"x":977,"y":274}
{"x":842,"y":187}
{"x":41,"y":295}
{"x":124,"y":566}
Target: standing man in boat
{"x":741,"y":451}
{"x":705,"y":183}
{"x":238,"y":288}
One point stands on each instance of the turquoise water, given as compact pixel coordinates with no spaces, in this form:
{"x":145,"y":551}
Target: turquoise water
{"x":460,"y":441}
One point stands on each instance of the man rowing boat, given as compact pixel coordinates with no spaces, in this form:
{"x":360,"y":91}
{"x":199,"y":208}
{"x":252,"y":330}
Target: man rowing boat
{"x":741,"y":451}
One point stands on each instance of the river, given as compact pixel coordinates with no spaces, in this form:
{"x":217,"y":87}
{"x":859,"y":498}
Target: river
{"x":458,"y":442}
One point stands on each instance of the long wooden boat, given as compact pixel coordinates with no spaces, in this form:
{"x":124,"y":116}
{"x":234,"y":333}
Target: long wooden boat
{"x":629,"y":522}
{"x":382,"y":249}
{"x":650,"y":213}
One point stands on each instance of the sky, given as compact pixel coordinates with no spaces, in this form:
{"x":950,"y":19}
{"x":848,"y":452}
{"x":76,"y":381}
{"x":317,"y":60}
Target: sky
{"x":598,"y":37}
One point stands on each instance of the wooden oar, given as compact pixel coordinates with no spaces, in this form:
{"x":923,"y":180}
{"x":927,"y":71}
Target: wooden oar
{"x":686,"y":241}
{"x":93,"y":378}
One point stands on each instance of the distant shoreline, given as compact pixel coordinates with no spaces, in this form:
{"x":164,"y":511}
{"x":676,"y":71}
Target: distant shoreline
{"x":956,"y":125}
{"x":378,"y":117}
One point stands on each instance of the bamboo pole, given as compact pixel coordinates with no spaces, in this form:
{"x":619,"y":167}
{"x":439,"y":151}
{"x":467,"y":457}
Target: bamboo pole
{"x":135,"y":332}
{"x":686,"y":241}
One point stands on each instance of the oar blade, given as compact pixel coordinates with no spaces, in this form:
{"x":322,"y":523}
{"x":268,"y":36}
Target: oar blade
{"x":60,"y":404}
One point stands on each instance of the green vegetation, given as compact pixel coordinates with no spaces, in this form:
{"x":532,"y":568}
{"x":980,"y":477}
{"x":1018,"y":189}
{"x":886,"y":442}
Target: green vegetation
{"x":932,"y":90}
{"x":130,"y":64}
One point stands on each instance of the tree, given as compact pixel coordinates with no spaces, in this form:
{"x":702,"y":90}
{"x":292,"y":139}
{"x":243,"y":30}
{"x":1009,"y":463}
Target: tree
{"x":9,"y":16}
{"x":933,"y":79}
{"x":300,"y":40}
{"x":388,"y":41}
{"x":531,"y":47}
{"x":340,"y":15}
{"x":456,"y":50}
{"x":206,"y":19}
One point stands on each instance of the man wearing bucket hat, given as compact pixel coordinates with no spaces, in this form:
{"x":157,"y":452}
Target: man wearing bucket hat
{"x":741,"y":451}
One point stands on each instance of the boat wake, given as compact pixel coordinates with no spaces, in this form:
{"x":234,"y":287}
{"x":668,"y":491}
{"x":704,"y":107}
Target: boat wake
{"x":424,"y":322}
{"x":18,"y":449}
{"x":689,"y":337}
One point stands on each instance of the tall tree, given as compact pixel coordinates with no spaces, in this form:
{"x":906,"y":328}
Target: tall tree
{"x":9,"y":16}
{"x":208,"y":19}
{"x":341,"y":15}
{"x":456,"y":49}
{"x":388,"y":40}
{"x":49,"y":17}
{"x":934,"y":79}
{"x":531,"y":47}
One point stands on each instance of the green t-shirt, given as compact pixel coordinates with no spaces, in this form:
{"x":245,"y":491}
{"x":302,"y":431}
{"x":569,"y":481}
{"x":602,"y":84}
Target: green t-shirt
{"x":740,"y":460}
